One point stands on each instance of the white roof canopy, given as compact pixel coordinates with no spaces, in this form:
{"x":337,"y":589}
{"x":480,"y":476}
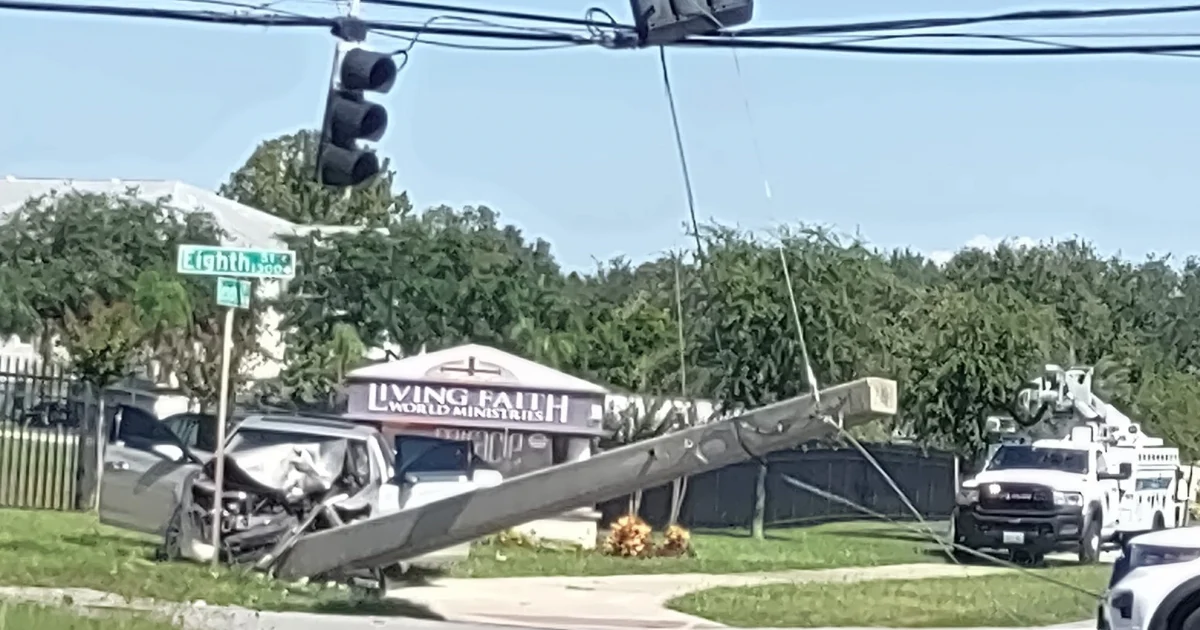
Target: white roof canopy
{"x":473,"y":363}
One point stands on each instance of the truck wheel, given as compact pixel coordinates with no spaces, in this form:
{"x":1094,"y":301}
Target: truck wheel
{"x":1159,"y":522}
{"x":1089,"y":544}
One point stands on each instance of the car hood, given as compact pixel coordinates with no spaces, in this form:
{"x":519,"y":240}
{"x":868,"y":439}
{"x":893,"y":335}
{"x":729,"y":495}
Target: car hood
{"x":1057,"y":479}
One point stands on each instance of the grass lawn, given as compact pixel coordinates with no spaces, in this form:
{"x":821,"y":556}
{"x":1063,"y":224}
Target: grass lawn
{"x":820,"y":547}
{"x":1004,"y":600}
{"x":61,"y":549}
{"x":21,"y":616}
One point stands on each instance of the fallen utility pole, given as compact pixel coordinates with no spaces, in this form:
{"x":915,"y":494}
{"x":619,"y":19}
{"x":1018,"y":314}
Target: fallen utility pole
{"x":386,"y":540}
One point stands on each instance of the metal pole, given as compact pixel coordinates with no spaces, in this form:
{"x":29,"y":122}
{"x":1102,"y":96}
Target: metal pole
{"x":222,"y":415}
{"x":101,"y":443}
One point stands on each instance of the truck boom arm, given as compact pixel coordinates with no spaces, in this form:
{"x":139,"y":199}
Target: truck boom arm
{"x":1068,"y":393}
{"x":389,"y":539}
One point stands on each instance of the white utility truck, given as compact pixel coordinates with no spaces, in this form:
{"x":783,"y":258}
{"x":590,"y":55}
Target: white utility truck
{"x":1098,"y":480}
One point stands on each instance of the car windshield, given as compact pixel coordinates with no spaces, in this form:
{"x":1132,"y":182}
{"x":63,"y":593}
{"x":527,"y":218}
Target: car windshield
{"x":1016,"y":457}
{"x":1150,"y":555}
{"x":257,"y":438}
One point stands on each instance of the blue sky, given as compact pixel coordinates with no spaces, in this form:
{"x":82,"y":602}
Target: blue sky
{"x":575,"y":146}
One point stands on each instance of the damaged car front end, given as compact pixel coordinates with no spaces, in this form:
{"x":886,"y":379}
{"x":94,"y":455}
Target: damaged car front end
{"x":277,"y":486}
{"x":283,"y":477}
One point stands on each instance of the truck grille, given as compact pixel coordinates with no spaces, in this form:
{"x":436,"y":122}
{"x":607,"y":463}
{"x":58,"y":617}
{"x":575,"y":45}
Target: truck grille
{"x":1016,"y":496}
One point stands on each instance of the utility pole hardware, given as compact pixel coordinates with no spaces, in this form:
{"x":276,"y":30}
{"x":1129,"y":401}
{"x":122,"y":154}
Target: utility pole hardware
{"x":662,"y":22}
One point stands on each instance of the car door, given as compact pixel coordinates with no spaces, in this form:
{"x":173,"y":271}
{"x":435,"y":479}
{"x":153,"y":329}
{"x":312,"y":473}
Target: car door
{"x":140,"y":485}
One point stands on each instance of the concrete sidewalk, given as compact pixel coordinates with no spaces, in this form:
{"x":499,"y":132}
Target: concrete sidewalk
{"x":623,"y":601}
{"x":615,"y":602}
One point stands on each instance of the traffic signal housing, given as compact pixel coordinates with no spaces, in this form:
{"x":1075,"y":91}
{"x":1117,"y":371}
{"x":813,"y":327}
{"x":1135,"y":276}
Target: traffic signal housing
{"x":350,"y":118}
{"x":662,"y":22}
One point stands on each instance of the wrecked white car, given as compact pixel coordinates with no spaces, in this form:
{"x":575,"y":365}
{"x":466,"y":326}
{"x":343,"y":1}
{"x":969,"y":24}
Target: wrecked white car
{"x":284,"y":476}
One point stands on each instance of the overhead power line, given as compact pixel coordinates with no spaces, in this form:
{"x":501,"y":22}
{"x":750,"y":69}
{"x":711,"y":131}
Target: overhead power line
{"x":605,"y":30}
{"x":923,"y":23}
{"x":500,"y":14}
{"x":1049,"y":49}
{"x":285,"y":20}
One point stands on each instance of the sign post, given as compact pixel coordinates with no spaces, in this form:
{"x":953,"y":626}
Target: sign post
{"x":230,"y":263}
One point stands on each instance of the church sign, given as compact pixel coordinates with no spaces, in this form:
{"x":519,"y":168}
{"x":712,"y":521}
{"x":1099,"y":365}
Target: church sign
{"x":471,"y":405}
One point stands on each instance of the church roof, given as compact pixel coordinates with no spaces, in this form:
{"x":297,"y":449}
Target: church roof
{"x":476,"y":364}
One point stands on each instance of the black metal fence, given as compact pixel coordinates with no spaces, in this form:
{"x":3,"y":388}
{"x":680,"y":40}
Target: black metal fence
{"x":48,"y":446}
{"x":725,"y":497}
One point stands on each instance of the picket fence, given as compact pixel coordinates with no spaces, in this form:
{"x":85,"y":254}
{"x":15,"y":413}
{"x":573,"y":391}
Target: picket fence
{"x":44,"y":462}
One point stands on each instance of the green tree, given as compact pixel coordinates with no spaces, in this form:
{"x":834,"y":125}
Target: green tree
{"x":66,"y":251}
{"x":973,"y":350}
{"x":103,"y":342}
{"x":316,"y":374}
{"x":279,"y":178}
{"x":440,"y":279}
{"x":1170,"y":404}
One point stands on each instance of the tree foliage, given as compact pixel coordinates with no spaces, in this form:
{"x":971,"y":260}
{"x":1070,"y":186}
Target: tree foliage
{"x":96,"y":273}
{"x":278,"y":178}
{"x":960,"y":338}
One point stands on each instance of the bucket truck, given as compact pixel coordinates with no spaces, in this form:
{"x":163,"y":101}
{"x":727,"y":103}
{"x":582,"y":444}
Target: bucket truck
{"x":1098,"y":479}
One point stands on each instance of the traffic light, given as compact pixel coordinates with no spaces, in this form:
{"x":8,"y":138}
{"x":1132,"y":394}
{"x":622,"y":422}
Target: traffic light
{"x":661,"y":22}
{"x":349,"y":117}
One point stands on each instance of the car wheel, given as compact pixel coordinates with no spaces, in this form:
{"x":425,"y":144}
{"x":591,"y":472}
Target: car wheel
{"x":1089,"y":545}
{"x":172,"y":546}
{"x":1191,"y":621}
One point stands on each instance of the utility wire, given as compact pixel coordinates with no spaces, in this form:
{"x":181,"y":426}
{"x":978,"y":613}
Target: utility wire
{"x":1058,"y":51}
{"x":284,"y":20}
{"x":1024,"y":39}
{"x":727,"y":40}
{"x":511,"y":15}
{"x":919,"y":23}
{"x":681,"y":154}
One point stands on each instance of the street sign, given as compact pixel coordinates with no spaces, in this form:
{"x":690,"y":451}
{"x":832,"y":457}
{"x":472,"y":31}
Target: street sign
{"x":235,"y":262}
{"x":229,"y":264}
{"x":233,"y":293}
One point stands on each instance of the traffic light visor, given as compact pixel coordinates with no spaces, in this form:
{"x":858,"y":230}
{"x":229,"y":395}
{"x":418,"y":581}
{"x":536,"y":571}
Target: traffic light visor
{"x":347,"y":167}
{"x":367,"y":70}
{"x":354,"y":119}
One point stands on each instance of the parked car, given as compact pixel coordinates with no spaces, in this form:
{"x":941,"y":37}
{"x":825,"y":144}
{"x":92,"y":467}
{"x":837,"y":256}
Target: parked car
{"x":284,"y":476}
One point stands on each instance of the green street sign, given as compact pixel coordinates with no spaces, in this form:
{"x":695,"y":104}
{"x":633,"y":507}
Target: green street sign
{"x":233,"y":293}
{"x":235,"y":262}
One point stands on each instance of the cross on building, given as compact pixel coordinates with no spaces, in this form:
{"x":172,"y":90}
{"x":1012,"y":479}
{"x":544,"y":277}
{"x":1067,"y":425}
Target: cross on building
{"x":472,"y":369}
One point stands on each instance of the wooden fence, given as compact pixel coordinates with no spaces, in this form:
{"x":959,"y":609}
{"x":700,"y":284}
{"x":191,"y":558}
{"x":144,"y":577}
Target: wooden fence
{"x":47,"y":452}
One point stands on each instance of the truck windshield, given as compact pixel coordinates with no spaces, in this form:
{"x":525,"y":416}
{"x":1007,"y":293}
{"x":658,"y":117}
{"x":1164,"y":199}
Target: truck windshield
{"x":1016,"y":457}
